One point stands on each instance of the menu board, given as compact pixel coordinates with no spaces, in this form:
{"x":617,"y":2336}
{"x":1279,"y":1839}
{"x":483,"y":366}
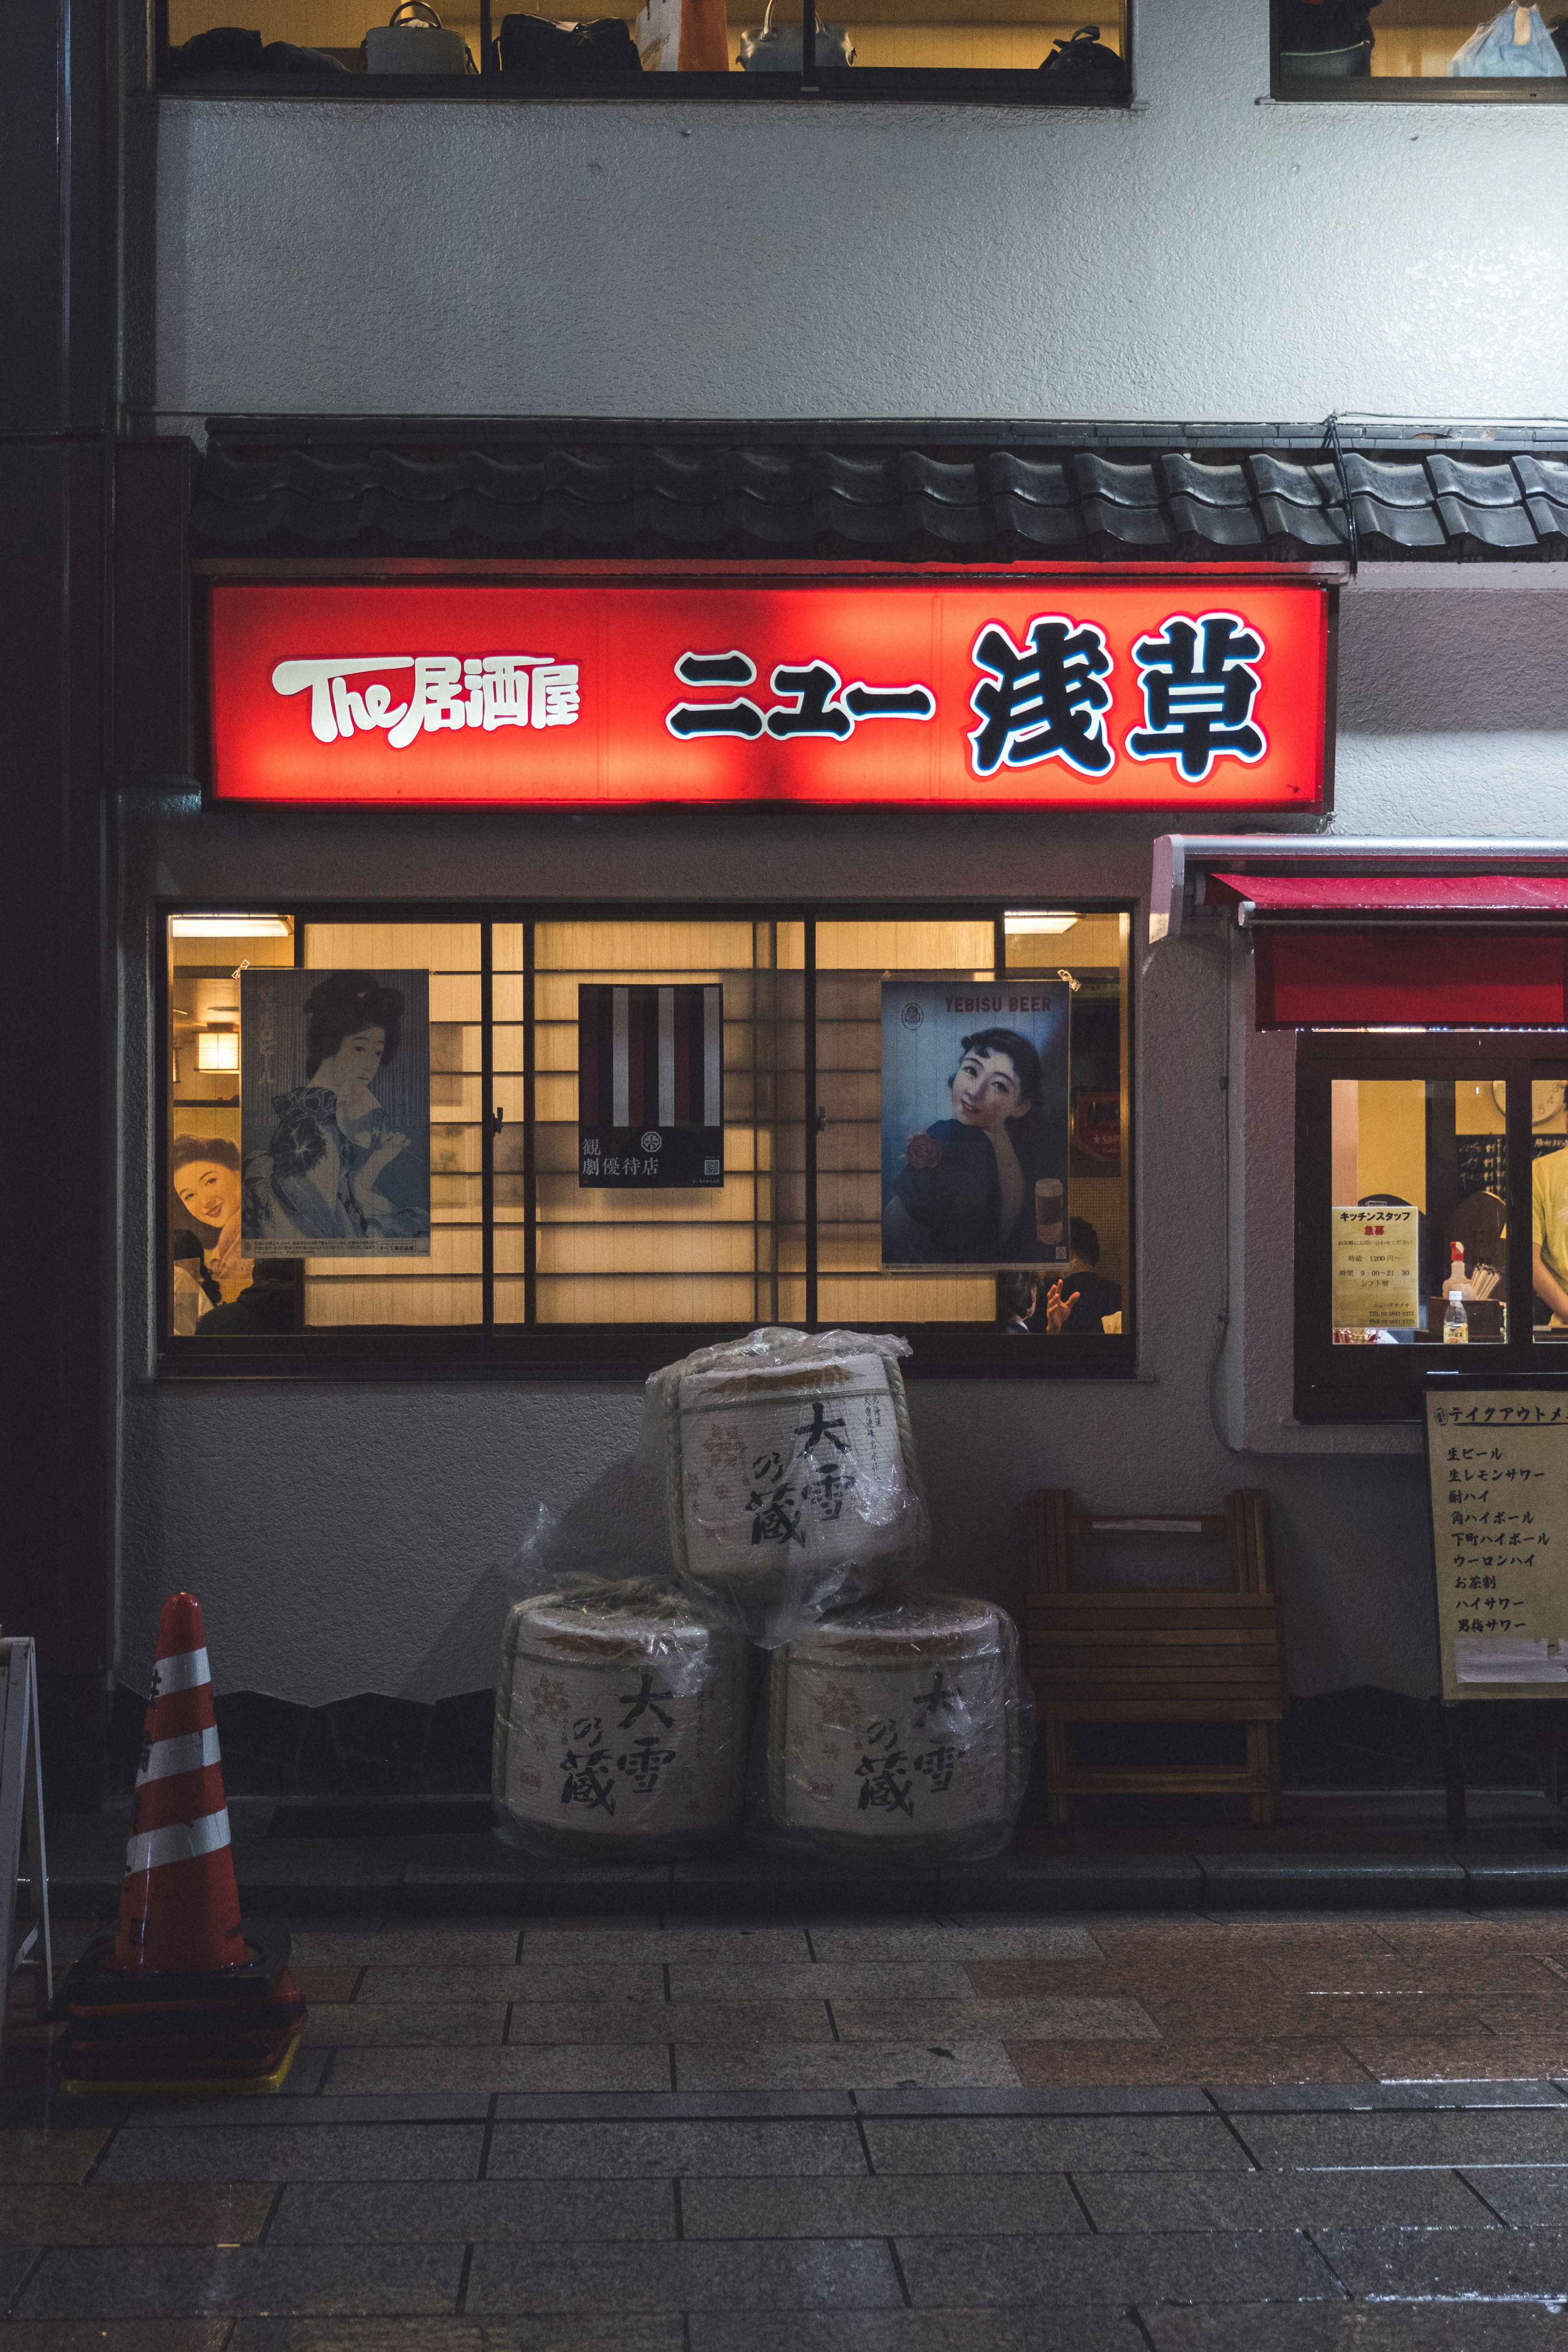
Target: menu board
{"x":1377,"y":1283}
{"x":1498,"y":1461}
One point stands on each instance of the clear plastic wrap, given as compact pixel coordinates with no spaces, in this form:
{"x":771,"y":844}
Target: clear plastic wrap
{"x":790,"y":1479}
{"x":897,"y":1731}
{"x":620,"y":1725}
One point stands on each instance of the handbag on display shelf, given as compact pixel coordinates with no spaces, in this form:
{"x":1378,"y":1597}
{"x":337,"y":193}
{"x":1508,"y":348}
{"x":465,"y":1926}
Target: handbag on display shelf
{"x":1515,"y":42}
{"x":777,"y":48}
{"x":416,"y":42}
{"x":536,"y":50}
{"x":683,"y":36}
{"x":1085,"y":53}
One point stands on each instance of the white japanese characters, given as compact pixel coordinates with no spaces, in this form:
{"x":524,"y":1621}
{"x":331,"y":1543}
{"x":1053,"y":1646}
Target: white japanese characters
{"x":449,"y":693}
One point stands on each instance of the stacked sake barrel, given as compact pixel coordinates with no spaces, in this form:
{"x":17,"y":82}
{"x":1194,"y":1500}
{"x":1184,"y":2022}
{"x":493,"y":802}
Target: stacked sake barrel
{"x":620,"y":1727}
{"x":897,"y":1731}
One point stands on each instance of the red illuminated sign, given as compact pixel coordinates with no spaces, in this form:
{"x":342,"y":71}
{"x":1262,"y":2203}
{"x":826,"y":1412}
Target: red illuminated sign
{"x":1058,"y":694}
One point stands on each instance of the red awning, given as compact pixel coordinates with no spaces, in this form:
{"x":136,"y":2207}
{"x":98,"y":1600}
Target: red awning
{"x":1302,"y":896}
{"x":1440,"y":977}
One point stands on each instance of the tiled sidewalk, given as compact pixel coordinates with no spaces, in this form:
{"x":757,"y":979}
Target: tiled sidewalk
{"x":926,"y":2136}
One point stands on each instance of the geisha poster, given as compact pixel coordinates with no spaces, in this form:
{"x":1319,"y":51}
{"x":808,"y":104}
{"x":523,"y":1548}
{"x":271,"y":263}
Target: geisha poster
{"x":335,"y":1114}
{"x":974,"y":1122}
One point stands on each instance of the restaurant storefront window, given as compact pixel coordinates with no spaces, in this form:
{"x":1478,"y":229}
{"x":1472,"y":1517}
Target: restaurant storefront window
{"x":565,"y":1138}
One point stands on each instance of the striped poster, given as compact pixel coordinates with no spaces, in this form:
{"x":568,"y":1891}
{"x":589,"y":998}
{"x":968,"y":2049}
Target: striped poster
{"x":650,"y":1083}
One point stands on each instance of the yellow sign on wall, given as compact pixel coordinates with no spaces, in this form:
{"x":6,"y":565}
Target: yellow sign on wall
{"x":1377,"y":1280}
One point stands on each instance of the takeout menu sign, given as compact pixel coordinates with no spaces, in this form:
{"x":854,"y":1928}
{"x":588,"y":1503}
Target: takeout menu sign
{"x":1055,"y":693}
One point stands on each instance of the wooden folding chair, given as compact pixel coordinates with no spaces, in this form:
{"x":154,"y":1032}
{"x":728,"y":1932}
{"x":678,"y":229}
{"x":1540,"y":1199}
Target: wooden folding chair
{"x":1165,"y":1654}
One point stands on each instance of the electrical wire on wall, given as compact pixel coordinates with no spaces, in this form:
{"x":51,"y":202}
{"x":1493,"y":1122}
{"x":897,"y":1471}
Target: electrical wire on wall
{"x":1222,"y":1319}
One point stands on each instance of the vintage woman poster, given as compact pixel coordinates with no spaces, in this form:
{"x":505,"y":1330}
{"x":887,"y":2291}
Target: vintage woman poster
{"x":335,"y":1114}
{"x":974,"y":1122}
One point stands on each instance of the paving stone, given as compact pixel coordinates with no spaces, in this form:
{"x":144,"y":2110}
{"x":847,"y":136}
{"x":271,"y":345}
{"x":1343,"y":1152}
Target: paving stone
{"x":850,"y":2065}
{"x":1451,"y":2262}
{"x":1423,"y":2059}
{"x":1473,"y":2326}
{"x":676,"y":2106}
{"x":892,"y":2205}
{"x":632,"y":1946}
{"x":533,"y":1980}
{"x":1056,"y":2144}
{"x":116,"y":2335}
{"x":209,"y":2114}
{"x":48,"y":2155}
{"x":1464,"y":2137}
{"x":1219,"y":2267}
{"x":833,"y":2274}
{"x":15,"y":2261}
{"x":1234,"y":2098}
{"x":568,"y":2066}
{"x":1284,"y":2062}
{"x":1527,"y":2197}
{"x":622,"y":2151}
{"x":327,"y":1984}
{"x":406,"y":2024}
{"x":1125,"y":2202}
{"x":1124,"y":2099}
{"x":717,"y":1980}
{"x":329,"y":2213}
{"x":110,"y":2281}
{"x":406,"y":1948}
{"x":322,"y":2152}
{"x":572,"y":2333}
{"x":920,"y":1939}
{"x":1078,"y":2330}
{"x":1009,"y":2021}
{"x":131,"y":2213}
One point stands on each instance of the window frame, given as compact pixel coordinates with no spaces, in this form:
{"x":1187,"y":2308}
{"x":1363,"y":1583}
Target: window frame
{"x":488,"y":1351}
{"x":912,"y":85}
{"x":1381,"y":1384}
{"x":1403,"y":89}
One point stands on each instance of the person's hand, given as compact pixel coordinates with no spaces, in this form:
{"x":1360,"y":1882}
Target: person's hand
{"x":224,"y":1260}
{"x":384,"y":1151}
{"x":1058,"y":1308}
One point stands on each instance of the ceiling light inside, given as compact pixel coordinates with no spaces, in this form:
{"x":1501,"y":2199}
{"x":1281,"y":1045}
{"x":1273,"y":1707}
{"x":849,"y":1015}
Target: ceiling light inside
{"x":229,"y":927}
{"x":1018,"y":924}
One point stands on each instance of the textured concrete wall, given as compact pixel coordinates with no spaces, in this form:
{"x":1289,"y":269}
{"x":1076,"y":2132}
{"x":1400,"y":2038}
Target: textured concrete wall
{"x":379,"y":1517}
{"x":1212,"y":255}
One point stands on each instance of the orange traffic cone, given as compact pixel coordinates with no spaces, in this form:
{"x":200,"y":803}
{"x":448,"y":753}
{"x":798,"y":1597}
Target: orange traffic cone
{"x":180,"y":2000}
{"x":179,"y":1823}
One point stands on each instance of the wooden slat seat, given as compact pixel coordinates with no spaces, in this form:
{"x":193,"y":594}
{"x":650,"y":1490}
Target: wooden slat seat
{"x":1165,"y":1654}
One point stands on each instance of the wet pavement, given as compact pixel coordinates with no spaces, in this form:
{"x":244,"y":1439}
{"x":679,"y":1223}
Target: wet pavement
{"x":931,"y":2134}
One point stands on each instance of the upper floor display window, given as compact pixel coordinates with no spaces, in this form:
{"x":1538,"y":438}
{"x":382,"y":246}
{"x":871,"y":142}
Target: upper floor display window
{"x":586,"y":1142}
{"x":1418,"y":50}
{"x":1019,"y":50}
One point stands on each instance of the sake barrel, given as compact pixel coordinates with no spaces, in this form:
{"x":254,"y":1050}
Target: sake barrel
{"x":793,"y":1477}
{"x":620,"y":1728}
{"x":895,"y":1732}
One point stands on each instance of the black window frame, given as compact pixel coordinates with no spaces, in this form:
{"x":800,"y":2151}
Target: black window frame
{"x":488,"y":1351}
{"x":912,"y":85}
{"x":1383,"y":1384}
{"x":1403,"y":89}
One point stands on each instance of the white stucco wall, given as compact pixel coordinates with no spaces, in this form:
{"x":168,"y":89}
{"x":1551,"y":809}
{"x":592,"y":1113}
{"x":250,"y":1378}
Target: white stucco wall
{"x":1212,"y":255}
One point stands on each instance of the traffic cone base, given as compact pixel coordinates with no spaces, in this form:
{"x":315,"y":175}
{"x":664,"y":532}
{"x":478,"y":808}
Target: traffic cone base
{"x":180,"y":2000}
{"x":189,"y":2086}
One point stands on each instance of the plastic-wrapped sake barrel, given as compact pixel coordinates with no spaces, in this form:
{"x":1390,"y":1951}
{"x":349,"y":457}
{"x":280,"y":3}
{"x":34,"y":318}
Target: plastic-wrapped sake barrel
{"x":620,"y":1729}
{"x":899,"y":1732}
{"x":789,"y":1469}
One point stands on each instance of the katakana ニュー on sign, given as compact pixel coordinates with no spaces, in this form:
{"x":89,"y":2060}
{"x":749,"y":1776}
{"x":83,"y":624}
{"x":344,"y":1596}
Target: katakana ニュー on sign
{"x":1060,"y":693}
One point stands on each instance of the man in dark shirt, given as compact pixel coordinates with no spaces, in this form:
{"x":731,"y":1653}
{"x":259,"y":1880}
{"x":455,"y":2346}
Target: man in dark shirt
{"x":1081,"y":1298}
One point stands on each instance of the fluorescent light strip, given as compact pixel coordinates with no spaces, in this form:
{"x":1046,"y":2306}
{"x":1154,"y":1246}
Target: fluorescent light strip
{"x":229,"y":927}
